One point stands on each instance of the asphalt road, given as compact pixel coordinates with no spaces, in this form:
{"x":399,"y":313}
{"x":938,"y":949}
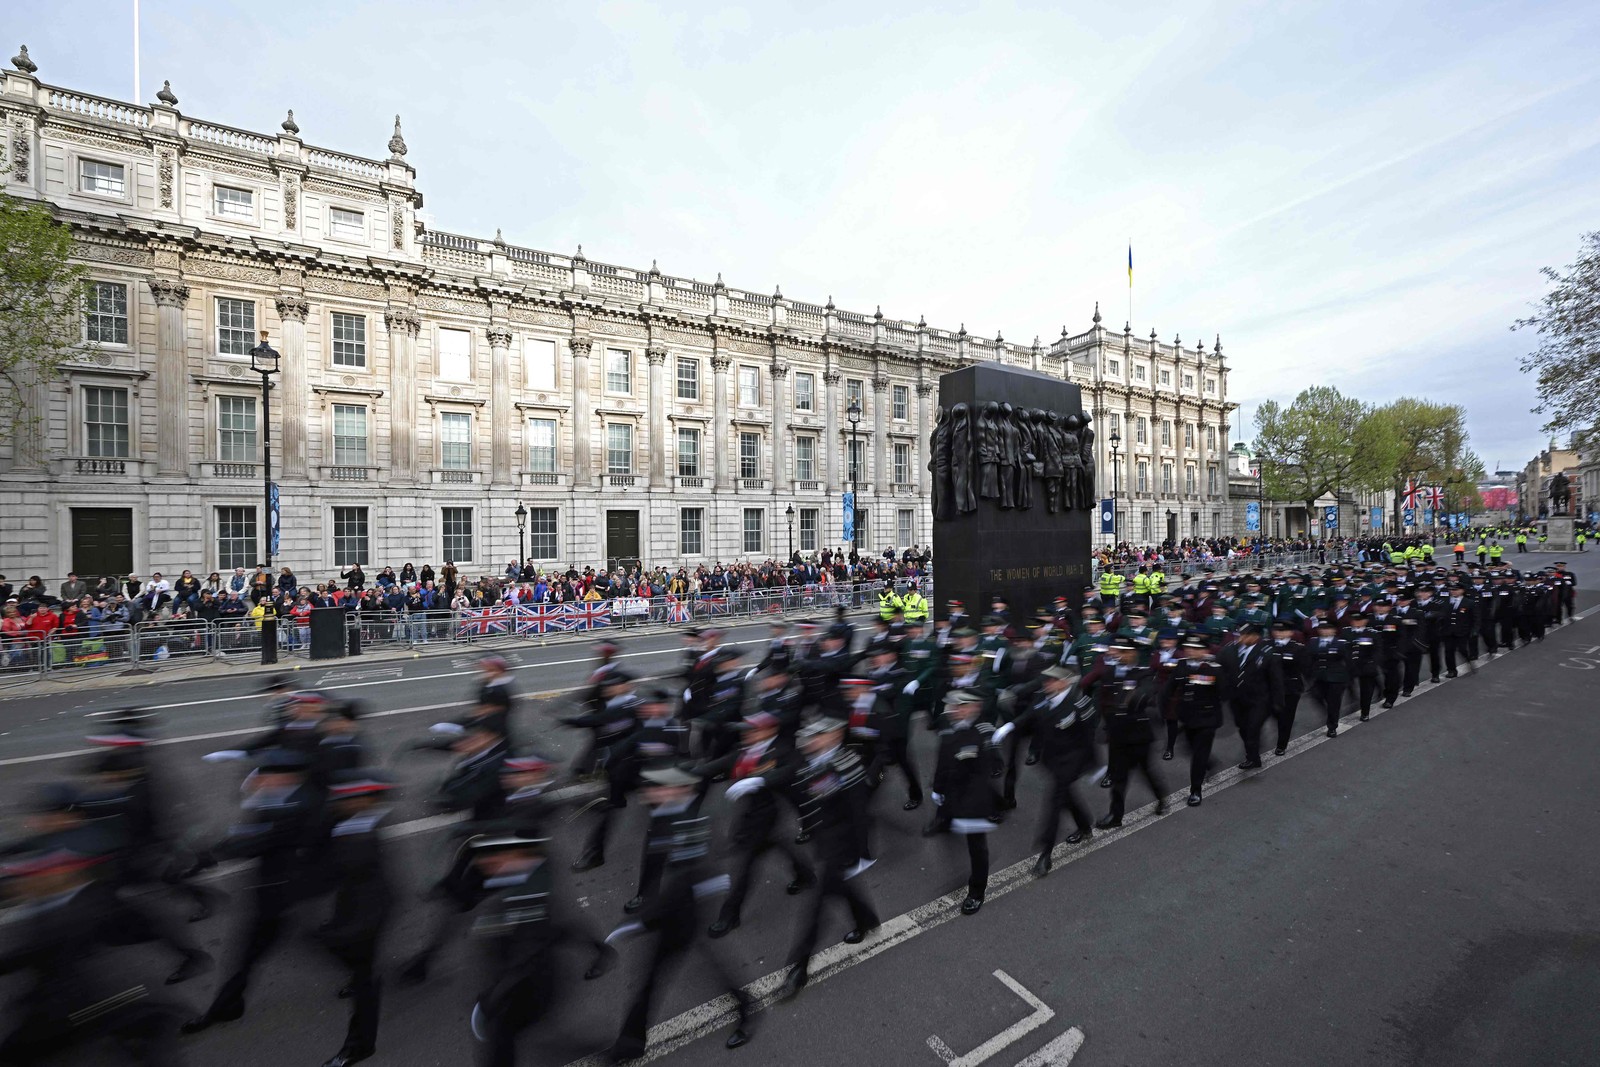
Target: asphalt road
{"x":1417,"y":891}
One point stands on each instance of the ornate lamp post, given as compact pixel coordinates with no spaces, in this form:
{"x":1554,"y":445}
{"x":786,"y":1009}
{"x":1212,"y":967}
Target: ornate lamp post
{"x":522,"y":528}
{"x":1116,"y":485}
{"x":788,"y":513}
{"x":853,"y":413}
{"x":264,"y":360}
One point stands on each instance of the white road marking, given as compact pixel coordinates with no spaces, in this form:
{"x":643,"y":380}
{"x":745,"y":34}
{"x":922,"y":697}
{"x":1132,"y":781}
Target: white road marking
{"x":1041,"y":1014}
{"x":1057,"y":1053}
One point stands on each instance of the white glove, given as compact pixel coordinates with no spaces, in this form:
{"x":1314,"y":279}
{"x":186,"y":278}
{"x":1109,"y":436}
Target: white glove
{"x":743,"y":786}
{"x":686,"y":696}
{"x":910,"y":687}
{"x":224,"y":756}
{"x":447,"y":729}
{"x":938,"y":799}
{"x":1004,"y":732}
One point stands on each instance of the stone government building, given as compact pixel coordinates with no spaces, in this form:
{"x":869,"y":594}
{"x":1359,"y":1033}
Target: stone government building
{"x":431,"y":382}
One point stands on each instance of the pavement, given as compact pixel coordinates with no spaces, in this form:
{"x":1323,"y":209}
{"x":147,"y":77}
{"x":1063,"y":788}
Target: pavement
{"x":1415,"y":891}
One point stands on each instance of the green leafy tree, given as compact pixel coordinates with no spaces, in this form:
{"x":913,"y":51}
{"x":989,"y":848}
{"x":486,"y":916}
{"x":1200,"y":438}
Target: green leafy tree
{"x":1567,"y":359}
{"x":1315,"y":446}
{"x":1419,"y":439}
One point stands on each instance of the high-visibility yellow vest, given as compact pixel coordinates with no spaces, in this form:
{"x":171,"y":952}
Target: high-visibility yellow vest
{"x":1111,"y":584}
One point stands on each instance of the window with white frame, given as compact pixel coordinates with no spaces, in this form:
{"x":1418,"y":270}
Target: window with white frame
{"x":1211,"y":385}
{"x":1146,"y":520}
{"x":1144,"y":476}
{"x":1188,"y":381}
{"x":903,"y":526}
{"x":1113,"y":367}
{"x":619,"y":448}
{"x":1211,"y":478}
{"x":1166,"y":377}
{"x":236,"y":326}
{"x":856,"y":450}
{"x":542,"y":446}
{"x":1166,"y":478}
{"x":455,"y":534}
{"x":540,"y":353}
{"x":233,"y":203}
{"x":351,"y":536}
{"x":753,"y":523}
{"x":1211,"y":437}
{"x":688,"y":452}
{"x":1188,"y":435}
{"x":346,"y":224}
{"x":455,"y":355}
{"x":902,"y":463}
{"x":688,"y":378}
{"x":1115,"y":422}
{"x":105,"y":313}
{"x":349,"y":435}
{"x":805,"y":392}
{"x":749,"y":387}
{"x":102,"y":179}
{"x":1141,"y":429}
{"x":805,"y":459}
{"x":1166,"y":432}
{"x":236,"y":429}
{"x":1189,"y":481}
{"x":542,"y":533}
{"x":809,"y":520}
{"x":349,"y":340}
{"x":900,"y":406}
{"x":691,"y":531}
{"x":1138,"y":372}
{"x":236,"y":538}
{"x":455,"y":440}
{"x":749,"y":455}
{"x":105,"y":422}
{"x":619,"y":371}
{"x":855,"y":389}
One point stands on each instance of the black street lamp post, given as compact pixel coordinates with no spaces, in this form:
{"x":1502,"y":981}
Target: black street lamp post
{"x":522,"y":529}
{"x":788,"y":513}
{"x":264,"y":361}
{"x":1116,"y":486}
{"x":853,"y":413}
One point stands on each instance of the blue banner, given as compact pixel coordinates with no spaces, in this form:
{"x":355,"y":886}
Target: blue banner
{"x":1330,"y":519}
{"x":1252,"y":516}
{"x":1108,"y":517}
{"x":1408,"y":517}
{"x":1463,"y":520}
{"x":1427,"y":516}
{"x":848,"y":520}
{"x":1377,"y":518}
{"x":274,"y":519}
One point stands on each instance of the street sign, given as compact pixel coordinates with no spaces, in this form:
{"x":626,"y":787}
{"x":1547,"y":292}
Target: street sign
{"x":848,"y":520}
{"x":1108,"y":518}
{"x":1252,"y":516}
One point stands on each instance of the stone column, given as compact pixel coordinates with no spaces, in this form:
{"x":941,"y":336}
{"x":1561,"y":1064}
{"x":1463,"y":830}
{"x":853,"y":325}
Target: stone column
{"x":403,"y":327}
{"x":780,"y":427}
{"x":720,"y":424}
{"x":880,"y":436}
{"x":292,"y":310}
{"x":500,"y":408}
{"x":831,"y":448}
{"x":924,"y":434}
{"x":656,"y":404}
{"x":172,"y":387}
{"x":582,"y":463}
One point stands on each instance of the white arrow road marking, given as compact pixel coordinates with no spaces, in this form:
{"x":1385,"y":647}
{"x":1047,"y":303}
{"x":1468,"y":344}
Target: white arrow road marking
{"x":1042,"y":1013}
{"x":1057,"y":1053}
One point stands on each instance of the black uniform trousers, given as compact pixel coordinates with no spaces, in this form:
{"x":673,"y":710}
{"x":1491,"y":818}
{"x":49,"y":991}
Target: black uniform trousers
{"x":266,"y":927}
{"x":361,"y":956}
{"x":1508,"y":632}
{"x":1434,"y":659}
{"x":1391,"y":681}
{"x":1331,"y":696}
{"x":1486,"y":633}
{"x":1283,"y":717}
{"x":1457,"y":650}
{"x":977,"y":864}
{"x":1413,"y":671}
{"x":1125,"y":758}
{"x":525,"y":1002}
{"x":1366,"y":687}
{"x":1199,"y":739}
{"x":744,"y":862}
{"x":833,"y":883}
{"x":1249,"y":717}
{"x":673,"y":943}
{"x":895,"y":752}
{"x":1063,"y":795}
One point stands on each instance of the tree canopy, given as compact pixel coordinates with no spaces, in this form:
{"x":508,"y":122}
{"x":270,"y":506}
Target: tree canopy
{"x":1567,"y":360}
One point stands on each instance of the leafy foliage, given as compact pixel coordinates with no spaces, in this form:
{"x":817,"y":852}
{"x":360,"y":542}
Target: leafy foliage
{"x":1567,"y":360}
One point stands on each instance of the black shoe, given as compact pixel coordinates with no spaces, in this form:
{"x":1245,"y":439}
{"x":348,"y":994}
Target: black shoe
{"x":1042,"y":866}
{"x":912,"y":805}
{"x":633,"y":905}
{"x":859,"y":934}
{"x":604,"y":960}
{"x":801,"y":839}
{"x":346,"y":991}
{"x":1033,"y":757}
{"x":723,"y":927}
{"x":1250,"y":765}
{"x":999,"y":817}
{"x":800,"y":885}
{"x":1364,"y":716}
{"x":1161,"y":805}
{"x":1405,"y":692}
{"x":1333,"y":731}
{"x":588,"y":863}
{"x":738,"y":1038}
{"x":1387,"y":704}
{"x":1108,"y":822}
{"x":1193,"y":801}
{"x":1433,"y":680}
{"x":1167,"y":754}
{"x":793,"y":984}
{"x":1451,"y":674}
{"x":346,"y":1056}
{"x":1105,"y":783}
{"x":1280,"y":750}
{"x":997,"y":772}
{"x":1077,"y":837}
{"x":1007,"y":803}
{"x":194,"y":963}
{"x":971,"y":905}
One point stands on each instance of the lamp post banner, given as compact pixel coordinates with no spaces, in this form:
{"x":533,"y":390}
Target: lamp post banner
{"x":1252,"y":516}
{"x":848,"y":519}
{"x":273,"y":518}
{"x":1108,"y":517}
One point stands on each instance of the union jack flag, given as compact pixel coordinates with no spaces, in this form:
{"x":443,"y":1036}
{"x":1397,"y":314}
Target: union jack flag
{"x":714,"y":605}
{"x":588,"y":616}
{"x":1412,"y":497}
{"x":677,"y":610}
{"x":543,"y":619}
{"x":1435,"y":497}
{"x":481,"y":622}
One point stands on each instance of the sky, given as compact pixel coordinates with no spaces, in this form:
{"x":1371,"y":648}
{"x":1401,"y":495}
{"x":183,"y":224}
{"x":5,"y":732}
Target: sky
{"x":1352,"y":194}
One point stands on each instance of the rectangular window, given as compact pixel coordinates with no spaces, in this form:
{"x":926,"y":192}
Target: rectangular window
{"x":1166,"y":377}
{"x":749,"y":455}
{"x":1189,"y":481}
{"x":105,"y":422}
{"x":752,"y":530}
{"x":455,"y":355}
{"x":1188,"y":435}
{"x":1138,"y":372}
{"x":619,"y":448}
{"x":350,"y":225}
{"x":901,"y":397}
{"x":903,"y":520}
{"x":855,"y":389}
{"x":1144,"y":526}
{"x":619,"y":370}
{"x":236,"y":326}
{"x":1166,"y":478}
{"x":236,"y":538}
{"x":541,"y":356}
{"x":236,"y":429}
{"x":808,"y":529}
{"x":349,"y":340}
{"x":1211,"y":438}
{"x":1211,"y":385}
{"x":542,"y":533}
{"x":1113,"y":367}
{"x":691,"y":531}
{"x":688,"y":378}
{"x":349,"y":436}
{"x":1188,"y":381}
{"x":749,"y":387}
{"x":233,"y":203}
{"x":805,"y":459}
{"x":1166,"y":432}
{"x":858,"y":460}
{"x":1141,"y":431}
{"x":1116,"y":423}
{"x":455,"y":441}
{"x":805,"y":392}
{"x":902,"y":463}
{"x":1211,"y":478}
{"x":350,"y":537}
{"x":542,"y":446}
{"x":102,"y":179}
{"x":688,"y":452}
{"x":1144,"y":477}
{"x":455,"y":529}
{"x":105,"y":313}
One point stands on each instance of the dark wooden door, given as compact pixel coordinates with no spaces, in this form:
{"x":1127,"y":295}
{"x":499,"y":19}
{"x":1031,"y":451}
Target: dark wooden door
{"x":622,"y":539}
{"x":102,"y":542}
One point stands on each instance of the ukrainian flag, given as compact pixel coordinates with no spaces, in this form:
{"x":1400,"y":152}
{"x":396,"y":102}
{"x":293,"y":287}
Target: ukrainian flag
{"x":1130,"y":266}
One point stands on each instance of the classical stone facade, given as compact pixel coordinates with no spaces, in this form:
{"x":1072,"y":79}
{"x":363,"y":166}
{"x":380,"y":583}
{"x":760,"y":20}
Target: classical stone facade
{"x":431,"y":383}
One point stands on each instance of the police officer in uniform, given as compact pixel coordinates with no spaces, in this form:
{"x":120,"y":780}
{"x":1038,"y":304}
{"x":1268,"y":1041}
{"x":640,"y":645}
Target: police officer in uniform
{"x":1330,"y":673}
{"x":1195,"y":690}
{"x":1061,"y":721}
{"x":1365,"y":660}
{"x":1124,"y":700}
{"x":1293,"y":665}
{"x":962,"y":789}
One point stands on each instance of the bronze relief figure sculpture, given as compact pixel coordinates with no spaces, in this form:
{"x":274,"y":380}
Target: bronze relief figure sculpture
{"x":961,"y":451}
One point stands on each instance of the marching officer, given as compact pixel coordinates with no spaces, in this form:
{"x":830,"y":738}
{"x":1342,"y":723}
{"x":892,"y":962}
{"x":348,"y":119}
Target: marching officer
{"x":1253,"y":687}
{"x":1123,"y":700}
{"x":1387,"y":630}
{"x":889,"y":711}
{"x":962,"y":790}
{"x":1195,"y":691}
{"x":1458,"y":627}
{"x":1330,"y":673}
{"x":1366,"y":656}
{"x":1061,"y":720}
{"x":1293,"y":666}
